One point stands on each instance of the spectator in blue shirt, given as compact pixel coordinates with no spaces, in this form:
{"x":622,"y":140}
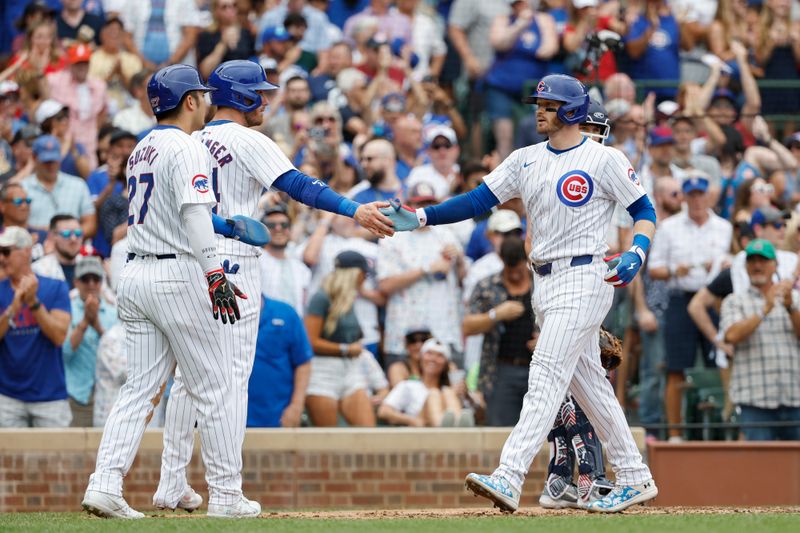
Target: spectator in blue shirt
{"x":652,"y":46}
{"x":281,"y":369}
{"x":33,"y":326}
{"x":54,"y":192}
{"x":91,"y":318}
{"x":108,"y":190}
{"x":382,"y":183}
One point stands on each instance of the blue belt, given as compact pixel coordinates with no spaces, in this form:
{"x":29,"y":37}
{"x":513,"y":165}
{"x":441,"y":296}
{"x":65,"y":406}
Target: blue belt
{"x":578,"y":260}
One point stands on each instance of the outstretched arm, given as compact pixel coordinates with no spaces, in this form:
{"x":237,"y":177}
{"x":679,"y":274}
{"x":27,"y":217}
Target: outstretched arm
{"x":316,"y":193}
{"x":456,"y":209}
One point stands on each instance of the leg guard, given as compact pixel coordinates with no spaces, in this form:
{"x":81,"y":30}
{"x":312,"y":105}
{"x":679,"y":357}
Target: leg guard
{"x":592,"y":483}
{"x":558,"y":485}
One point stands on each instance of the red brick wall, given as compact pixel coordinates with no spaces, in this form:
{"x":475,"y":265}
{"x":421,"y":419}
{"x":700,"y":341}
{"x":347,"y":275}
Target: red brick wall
{"x":287,"y":474}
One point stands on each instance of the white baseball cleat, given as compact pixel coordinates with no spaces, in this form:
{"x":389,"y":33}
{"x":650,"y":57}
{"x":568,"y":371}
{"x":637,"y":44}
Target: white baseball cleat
{"x":244,"y":508}
{"x":189,"y":502}
{"x":559,"y":493}
{"x":624,"y":496}
{"x":107,"y":505}
{"x":498,"y":490}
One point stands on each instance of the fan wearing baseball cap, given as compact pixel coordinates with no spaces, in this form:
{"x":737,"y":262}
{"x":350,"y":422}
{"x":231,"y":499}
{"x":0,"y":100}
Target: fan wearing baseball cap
{"x":763,"y":325}
{"x":53,"y":192}
{"x":441,"y":145}
{"x":34,"y":318}
{"x":430,"y":400}
{"x":70,"y":87}
{"x":421,"y":272}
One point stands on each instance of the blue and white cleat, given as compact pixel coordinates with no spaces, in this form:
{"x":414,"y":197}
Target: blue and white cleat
{"x":497,"y":489}
{"x":625,"y":496}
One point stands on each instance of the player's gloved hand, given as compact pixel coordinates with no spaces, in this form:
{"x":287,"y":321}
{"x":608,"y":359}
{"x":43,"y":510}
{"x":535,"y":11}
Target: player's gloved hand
{"x":403,"y":217}
{"x":223,"y":295}
{"x":622,"y":268}
{"x":241,"y":228}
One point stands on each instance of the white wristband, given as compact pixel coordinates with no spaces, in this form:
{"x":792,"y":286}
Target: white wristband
{"x":421,"y":217}
{"x":638,"y":251}
{"x":492,"y":315}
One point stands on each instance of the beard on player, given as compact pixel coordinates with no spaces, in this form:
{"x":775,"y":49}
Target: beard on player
{"x":212,"y":110}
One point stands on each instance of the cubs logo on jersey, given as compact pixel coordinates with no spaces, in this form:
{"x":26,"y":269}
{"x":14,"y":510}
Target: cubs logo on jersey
{"x":575,"y":188}
{"x":200,"y":183}
{"x":633,"y":177}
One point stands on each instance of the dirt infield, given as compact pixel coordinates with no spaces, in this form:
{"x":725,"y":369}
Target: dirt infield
{"x":400,"y":514}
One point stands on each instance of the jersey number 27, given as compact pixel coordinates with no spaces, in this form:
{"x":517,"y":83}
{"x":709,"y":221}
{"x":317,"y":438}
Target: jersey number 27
{"x":145,"y":180}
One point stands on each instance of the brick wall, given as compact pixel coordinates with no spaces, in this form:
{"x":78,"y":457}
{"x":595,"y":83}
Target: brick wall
{"x":47,"y":470}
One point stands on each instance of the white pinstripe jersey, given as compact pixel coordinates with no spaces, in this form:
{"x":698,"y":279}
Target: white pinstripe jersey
{"x":166,"y":170}
{"x":569,"y":195}
{"x":246,"y":163}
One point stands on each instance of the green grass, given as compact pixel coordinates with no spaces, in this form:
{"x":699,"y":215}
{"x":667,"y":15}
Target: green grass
{"x":568,"y":523}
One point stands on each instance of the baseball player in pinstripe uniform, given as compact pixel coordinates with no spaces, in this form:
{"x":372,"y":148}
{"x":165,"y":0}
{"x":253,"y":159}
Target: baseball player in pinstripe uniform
{"x":163,"y":304}
{"x":569,"y":186}
{"x":245,"y":163}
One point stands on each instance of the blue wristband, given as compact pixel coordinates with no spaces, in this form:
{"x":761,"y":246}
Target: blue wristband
{"x":642,"y":241}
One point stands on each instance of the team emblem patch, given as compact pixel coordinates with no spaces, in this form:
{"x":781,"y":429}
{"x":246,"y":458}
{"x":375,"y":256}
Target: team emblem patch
{"x":200,"y":183}
{"x":154,"y":101}
{"x":575,"y":188}
{"x":633,"y":177}
{"x":540,"y":88}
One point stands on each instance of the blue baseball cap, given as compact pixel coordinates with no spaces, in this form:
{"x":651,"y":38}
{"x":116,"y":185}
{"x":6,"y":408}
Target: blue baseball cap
{"x":275,"y":33}
{"x":661,"y":135}
{"x":695,"y":183}
{"x":725,"y":94}
{"x":768,"y":215}
{"x":47,"y":149}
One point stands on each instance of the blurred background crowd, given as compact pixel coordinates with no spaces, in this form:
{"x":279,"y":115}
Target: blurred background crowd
{"x":419,"y":100}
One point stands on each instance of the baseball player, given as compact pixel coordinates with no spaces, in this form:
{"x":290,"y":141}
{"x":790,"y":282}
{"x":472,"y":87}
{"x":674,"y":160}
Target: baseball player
{"x":573,"y":439}
{"x":172,"y":269}
{"x":569,"y":186}
{"x":245,"y":163}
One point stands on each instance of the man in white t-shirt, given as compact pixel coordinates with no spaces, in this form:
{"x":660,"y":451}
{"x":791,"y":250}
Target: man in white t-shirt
{"x":443,"y":150}
{"x":283,"y":277}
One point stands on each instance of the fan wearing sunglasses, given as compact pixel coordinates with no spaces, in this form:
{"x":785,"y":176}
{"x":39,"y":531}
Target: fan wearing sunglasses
{"x":65,"y":240}
{"x":15,"y":208}
{"x":283,"y":277}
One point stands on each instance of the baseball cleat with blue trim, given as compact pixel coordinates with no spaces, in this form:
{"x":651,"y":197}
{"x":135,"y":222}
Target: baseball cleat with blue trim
{"x":496,"y":489}
{"x":625,"y":496}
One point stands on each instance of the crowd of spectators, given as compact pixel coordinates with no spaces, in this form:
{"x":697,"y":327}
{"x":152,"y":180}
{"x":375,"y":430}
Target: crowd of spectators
{"x":418,"y":100}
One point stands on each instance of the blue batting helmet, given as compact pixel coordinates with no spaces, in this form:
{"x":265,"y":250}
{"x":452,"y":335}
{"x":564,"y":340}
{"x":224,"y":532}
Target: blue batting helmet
{"x":566,"y":89}
{"x":597,"y":116}
{"x":236,"y":83}
{"x":167,"y":86}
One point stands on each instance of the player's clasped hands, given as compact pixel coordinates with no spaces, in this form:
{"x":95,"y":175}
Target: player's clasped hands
{"x":223,"y":295}
{"x":622,"y":268}
{"x":403,"y":217}
{"x":373,"y":217}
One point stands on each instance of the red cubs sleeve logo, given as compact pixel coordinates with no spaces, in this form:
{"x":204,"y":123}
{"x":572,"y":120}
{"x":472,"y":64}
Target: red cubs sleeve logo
{"x":633,"y":177}
{"x":200,"y":183}
{"x":575,"y":188}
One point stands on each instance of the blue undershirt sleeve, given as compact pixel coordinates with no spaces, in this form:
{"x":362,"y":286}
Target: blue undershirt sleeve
{"x":462,"y":207}
{"x":314,"y":193}
{"x":642,"y":209}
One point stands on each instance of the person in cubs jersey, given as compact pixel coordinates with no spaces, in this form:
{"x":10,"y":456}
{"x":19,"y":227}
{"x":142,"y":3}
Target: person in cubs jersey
{"x":569,"y":186}
{"x":245,"y":163}
{"x":163,"y":301}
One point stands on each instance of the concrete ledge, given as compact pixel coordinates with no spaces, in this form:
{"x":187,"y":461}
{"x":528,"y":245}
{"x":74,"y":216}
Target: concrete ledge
{"x":288,"y":440}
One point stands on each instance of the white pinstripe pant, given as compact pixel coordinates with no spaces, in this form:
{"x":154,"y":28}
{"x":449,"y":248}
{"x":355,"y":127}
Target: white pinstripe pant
{"x":239,"y":341}
{"x":166,"y":312}
{"x":570,"y":304}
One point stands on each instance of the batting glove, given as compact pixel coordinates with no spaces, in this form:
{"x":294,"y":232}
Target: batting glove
{"x":223,"y":295}
{"x":403,"y":217}
{"x":241,"y":228}
{"x":623,"y":268}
